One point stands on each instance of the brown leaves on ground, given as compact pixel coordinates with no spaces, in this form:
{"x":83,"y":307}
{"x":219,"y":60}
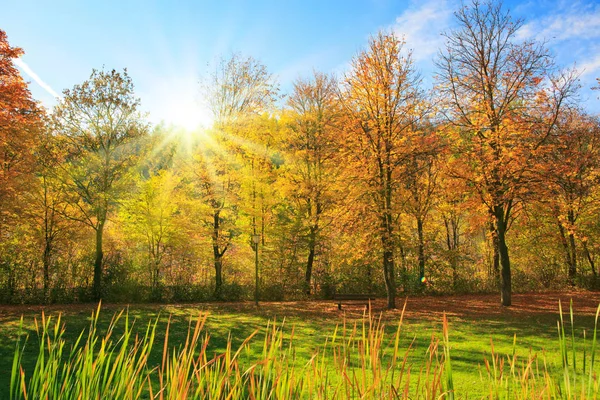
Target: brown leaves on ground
{"x":473,"y":306}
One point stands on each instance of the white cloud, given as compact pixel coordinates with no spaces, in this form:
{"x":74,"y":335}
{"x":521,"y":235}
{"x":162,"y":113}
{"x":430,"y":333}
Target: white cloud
{"x":571,"y":28}
{"x":577,"y":21}
{"x":572,"y":31}
{"x":25,"y":68}
{"x":590,"y":67}
{"x":422,"y":24}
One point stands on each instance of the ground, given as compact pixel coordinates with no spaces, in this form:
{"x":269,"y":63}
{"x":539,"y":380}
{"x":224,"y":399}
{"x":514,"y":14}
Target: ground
{"x":475,"y":321}
{"x":418,"y":307}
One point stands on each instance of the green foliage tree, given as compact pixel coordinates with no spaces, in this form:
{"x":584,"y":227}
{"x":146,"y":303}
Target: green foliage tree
{"x":101,"y":124}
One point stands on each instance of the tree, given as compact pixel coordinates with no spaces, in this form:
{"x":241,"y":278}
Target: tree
{"x":504,"y":102}
{"x":101,"y":123}
{"x":47,"y":203}
{"x":238,"y":89}
{"x":382,"y":99}
{"x":420,"y":176}
{"x":312,"y":143}
{"x":569,"y":178}
{"x":20,"y":125}
{"x":452,"y":208}
{"x":153,"y":217}
{"x":240,"y":86}
{"x":21,"y":121}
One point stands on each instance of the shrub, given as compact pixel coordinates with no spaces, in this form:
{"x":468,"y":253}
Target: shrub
{"x":271,"y":292}
{"x":233,"y":292}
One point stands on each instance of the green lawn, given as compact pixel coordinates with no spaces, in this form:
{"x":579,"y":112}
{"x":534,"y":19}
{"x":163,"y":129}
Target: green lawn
{"x":470,"y":333}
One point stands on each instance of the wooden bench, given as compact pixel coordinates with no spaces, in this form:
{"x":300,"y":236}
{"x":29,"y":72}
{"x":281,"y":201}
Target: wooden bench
{"x":342,"y":297}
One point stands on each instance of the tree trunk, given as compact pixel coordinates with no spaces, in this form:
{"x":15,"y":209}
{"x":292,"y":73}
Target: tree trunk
{"x":573,"y":250}
{"x":97,"y":285}
{"x":46,"y":264}
{"x":501,"y":227}
{"x":567,"y":253}
{"x":388,"y":271}
{"x":388,"y":260}
{"x":403,"y":267}
{"x":452,"y":245}
{"x":218,"y":255}
{"x":387,"y":235}
{"x":421,"y":251}
{"x":309,"y":264}
{"x":218,"y":277}
{"x":11,"y":282}
{"x":495,"y":255}
{"x":156,"y":275}
{"x":590,"y":259}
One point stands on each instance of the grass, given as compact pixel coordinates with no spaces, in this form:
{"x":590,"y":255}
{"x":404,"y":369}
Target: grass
{"x":307,"y":351}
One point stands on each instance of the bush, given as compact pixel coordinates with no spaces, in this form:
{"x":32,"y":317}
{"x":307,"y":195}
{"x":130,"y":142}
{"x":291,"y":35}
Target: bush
{"x":62,"y":295}
{"x":272,"y":292}
{"x":233,"y":292}
{"x":188,"y":293}
{"x":127,"y":292}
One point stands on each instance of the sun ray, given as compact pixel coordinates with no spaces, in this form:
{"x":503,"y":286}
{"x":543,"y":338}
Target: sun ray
{"x":256,"y":149}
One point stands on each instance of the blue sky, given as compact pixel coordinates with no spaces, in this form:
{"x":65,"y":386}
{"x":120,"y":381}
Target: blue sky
{"x":168,"y":45}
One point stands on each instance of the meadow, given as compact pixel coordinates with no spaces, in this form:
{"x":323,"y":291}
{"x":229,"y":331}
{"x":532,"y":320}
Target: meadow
{"x":310,"y":349}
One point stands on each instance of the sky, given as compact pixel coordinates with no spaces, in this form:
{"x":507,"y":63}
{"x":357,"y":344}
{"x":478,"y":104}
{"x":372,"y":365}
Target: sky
{"x":169,"y":46}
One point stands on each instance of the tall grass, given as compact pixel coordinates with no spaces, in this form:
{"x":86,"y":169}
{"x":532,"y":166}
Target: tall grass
{"x":531,"y":377}
{"x":357,"y":361}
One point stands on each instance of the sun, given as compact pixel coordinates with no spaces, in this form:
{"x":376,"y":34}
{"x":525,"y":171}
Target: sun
{"x":189,"y":115}
{"x":177,"y":102}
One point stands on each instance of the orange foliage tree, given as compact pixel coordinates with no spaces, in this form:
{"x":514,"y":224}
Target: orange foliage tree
{"x":569,"y":177}
{"x":384,"y":104}
{"x":315,"y":169}
{"x":494,"y":92}
{"x":20,"y":123}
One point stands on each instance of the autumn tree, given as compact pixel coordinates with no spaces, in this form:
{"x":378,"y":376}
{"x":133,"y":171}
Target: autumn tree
{"x":47,"y":203}
{"x":383,"y":101}
{"x":568,"y":181}
{"x":153,"y":216}
{"x":420,"y":177}
{"x":239,"y":88}
{"x":504,"y":102}
{"x":20,"y":123}
{"x":453,"y":213}
{"x":101,"y":123}
{"x":314,"y":167}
